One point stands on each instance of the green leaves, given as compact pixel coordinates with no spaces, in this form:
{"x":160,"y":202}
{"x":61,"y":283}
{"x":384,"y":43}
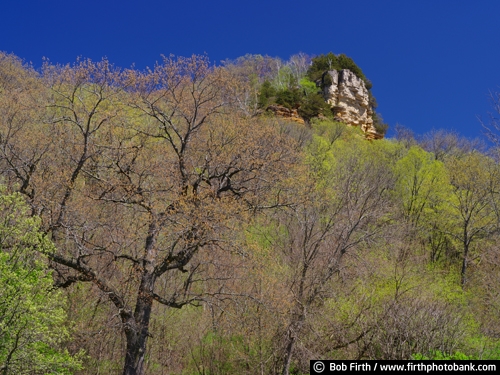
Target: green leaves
{"x":422,"y":184}
{"x":323,"y":63}
{"x":32,"y":317}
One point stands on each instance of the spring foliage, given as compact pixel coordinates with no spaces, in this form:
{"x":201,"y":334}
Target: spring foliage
{"x":191,"y":235}
{"x":33,"y":327}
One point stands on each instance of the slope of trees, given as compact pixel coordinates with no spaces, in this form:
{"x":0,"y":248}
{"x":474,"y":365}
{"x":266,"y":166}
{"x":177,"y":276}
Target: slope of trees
{"x":192,"y":236}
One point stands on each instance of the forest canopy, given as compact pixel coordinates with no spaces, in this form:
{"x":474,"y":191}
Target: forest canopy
{"x":182,"y":230}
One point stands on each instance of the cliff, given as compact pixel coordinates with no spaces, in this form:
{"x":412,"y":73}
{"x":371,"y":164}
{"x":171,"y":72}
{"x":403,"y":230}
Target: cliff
{"x":350,"y":100}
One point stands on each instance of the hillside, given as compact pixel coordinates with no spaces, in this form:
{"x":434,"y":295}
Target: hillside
{"x":304,"y":88}
{"x":187,"y":229}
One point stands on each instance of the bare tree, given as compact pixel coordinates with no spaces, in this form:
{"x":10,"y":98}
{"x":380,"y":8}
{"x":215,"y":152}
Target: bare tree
{"x":492,"y":125}
{"x":445,"y":144}
{"x":22,"y":111}
{"x":139,"y":172}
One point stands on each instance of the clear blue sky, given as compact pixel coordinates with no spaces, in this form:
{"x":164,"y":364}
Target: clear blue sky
{"x":432,"y":63}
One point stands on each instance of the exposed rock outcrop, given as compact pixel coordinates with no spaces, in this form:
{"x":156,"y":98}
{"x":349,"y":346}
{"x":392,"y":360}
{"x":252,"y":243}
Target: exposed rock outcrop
{"x":289,"y":114}
{"x":372,"y":134}
{"x":349,"y":99}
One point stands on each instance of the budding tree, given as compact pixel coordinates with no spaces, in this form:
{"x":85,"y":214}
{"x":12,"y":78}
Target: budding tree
{"x":143,"y":180}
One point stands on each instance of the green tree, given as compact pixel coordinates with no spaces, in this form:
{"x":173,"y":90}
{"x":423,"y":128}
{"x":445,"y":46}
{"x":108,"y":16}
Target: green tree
{"x":321,"y":64}
{"x":421,"y":185}
{"x":345,"y":62}
{"x":308,"y":86}
{"x":475,"y":180}
{"x":32,"y":316}
{"x":312,"y":106}
{"x":378,"y":122}
{"x":289,"y":97}
{"x":267,"y":92}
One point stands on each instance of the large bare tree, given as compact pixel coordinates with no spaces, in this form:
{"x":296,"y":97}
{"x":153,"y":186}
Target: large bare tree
{"x":139,"y":172}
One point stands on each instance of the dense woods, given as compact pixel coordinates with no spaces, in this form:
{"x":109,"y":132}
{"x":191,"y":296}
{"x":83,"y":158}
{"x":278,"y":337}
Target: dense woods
{"x":160,"y":222}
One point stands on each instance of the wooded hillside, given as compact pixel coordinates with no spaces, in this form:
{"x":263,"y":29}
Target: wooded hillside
{"x":187,"y":232}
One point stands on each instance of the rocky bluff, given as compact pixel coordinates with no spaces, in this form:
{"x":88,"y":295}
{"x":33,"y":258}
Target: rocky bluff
{"x":350,"y":100}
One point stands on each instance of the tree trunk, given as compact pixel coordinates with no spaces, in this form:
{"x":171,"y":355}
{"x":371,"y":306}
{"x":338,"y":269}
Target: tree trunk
{"x":288,"y":352}
{"x":463,"y":278}
{"x":293,"y":332}
{"x":466,"y":242}
{"x":137,"y":329}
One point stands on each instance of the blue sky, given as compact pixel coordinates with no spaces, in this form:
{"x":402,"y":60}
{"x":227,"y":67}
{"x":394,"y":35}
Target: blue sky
{"x":432,"y":63}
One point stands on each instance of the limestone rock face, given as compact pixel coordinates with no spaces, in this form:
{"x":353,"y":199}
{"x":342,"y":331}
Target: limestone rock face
{"x":289,"y":114}
{"x":349,"y":99}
